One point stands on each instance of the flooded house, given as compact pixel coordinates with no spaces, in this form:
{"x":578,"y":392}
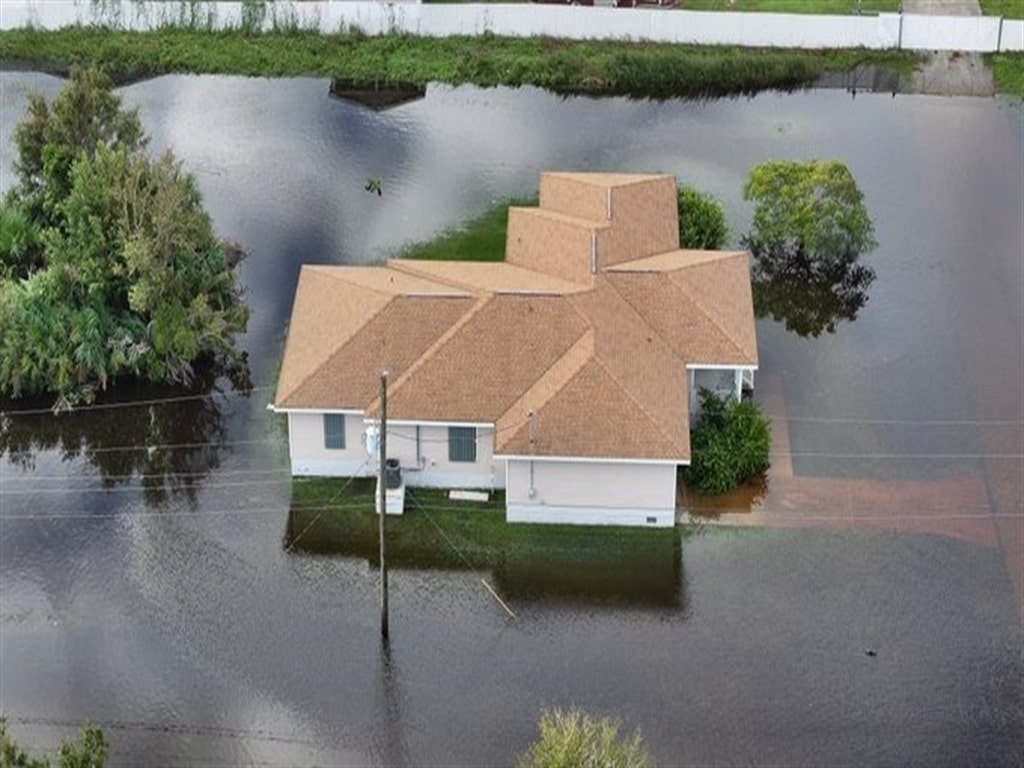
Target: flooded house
{"x":566,"y":375}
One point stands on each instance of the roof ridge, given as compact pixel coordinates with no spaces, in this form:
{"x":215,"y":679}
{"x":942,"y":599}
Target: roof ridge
{"x":567,"y":368}
{"x":402,"y":265}
{"x":429,"y":352}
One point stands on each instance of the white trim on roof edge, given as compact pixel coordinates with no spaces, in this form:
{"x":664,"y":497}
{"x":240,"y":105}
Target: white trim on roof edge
{"x":346,"y":411}
{"x":590,"y":459}
{"x":719,"y":367}
{"x":422,"y":423}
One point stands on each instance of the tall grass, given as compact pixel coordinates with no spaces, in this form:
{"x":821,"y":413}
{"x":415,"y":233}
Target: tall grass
{"x":586,"y":67}
{"x":1008,"y":70}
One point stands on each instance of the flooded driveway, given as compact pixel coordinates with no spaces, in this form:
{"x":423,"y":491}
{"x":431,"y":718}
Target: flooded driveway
{"x":145,"y":582}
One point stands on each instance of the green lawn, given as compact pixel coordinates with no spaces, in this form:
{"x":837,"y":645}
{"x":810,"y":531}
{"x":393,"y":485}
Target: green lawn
{"x":1008,"y":69}
{"x":590,"y":67}
{"x":1011,"y":9}
{"x":480,"y":239}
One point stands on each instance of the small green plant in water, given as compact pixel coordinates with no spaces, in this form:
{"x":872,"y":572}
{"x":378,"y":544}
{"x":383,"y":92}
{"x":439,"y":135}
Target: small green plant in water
{"x":575,"y":739}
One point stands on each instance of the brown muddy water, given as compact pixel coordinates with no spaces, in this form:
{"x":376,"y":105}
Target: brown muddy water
{"x":145,"y":579}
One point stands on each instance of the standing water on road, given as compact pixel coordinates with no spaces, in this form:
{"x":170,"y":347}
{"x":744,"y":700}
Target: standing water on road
{"x":145,"y":579}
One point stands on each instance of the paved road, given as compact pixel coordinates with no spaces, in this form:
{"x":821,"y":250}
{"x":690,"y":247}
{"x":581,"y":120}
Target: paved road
{"x":947,"y":73}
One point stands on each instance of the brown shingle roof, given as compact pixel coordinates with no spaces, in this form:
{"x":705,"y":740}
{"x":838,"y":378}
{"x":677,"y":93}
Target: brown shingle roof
{"x":392,"y":340}
{"x":592,"y":416}
{"x":700,"y":302}
{"x":598,"y":357}
{"x":333,"y":304}
{"x":487,"y":276}
{"x":482,"y":368}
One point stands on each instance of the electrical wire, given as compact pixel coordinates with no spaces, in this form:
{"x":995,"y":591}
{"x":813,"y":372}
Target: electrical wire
{"x":133,"y":403}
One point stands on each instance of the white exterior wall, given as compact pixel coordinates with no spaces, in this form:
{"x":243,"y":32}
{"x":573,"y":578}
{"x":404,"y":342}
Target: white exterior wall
{"x":430,"y":467}
{"x":591,"y":493}
{"x":310,"y":458}
{"x":886,"y":30}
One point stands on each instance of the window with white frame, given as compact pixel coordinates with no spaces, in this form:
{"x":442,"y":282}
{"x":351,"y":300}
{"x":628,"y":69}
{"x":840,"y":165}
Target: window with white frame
{"x":334,"y":431}
{"x":462,"y":444}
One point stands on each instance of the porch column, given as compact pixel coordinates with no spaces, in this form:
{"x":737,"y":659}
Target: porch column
{"x":737,"y":376}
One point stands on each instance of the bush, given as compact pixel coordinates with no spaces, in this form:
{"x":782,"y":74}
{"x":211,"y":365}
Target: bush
{"x":574,"y":739}
{"x":729,"y":444}
{"x":701,"y":220}
{"x":88,"y":751}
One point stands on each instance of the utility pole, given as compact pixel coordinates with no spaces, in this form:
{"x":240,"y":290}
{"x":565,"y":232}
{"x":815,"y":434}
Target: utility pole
{"x":382,"y":480}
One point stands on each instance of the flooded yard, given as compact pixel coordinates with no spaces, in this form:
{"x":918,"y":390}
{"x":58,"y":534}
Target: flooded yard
{"x":147,"y":577}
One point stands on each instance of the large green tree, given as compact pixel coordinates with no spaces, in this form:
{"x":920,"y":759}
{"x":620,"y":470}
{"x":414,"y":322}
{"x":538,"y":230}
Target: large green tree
{"x":109,"y":265}
{"x":810,"y":228}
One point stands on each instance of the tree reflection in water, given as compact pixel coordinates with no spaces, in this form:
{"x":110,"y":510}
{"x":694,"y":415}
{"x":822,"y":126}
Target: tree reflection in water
{"x":170,"y":441}
{"x":811,"y":296}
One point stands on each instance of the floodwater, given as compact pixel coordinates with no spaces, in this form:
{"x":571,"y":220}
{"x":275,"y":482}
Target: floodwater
{"x":146,"y":577}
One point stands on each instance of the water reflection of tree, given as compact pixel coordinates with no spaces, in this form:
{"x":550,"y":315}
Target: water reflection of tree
{"x":810,"y":296}
{"x":171,"y":443}
{"x":810,"y":227}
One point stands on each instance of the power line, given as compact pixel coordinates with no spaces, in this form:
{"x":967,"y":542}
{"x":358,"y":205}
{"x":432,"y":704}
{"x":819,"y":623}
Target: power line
{"x":135,"y":488}
{"x":293,"y":542}
{"x":222,"y":512}
{"x":144,"y":475}
{"x":132,"y":403}
{"x":363,"y":503}
{"x":79,"y":448}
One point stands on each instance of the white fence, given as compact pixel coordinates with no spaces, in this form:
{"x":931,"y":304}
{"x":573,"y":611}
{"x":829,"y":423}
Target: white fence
{"x":887,"y":30}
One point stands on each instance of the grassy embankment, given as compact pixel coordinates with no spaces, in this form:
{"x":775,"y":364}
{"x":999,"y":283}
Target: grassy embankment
{"x":1010,"y":9}
{"x":585,"y":67}
{"x":1007,"y":68}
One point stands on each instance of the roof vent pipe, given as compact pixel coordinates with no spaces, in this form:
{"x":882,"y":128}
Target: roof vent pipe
{"x":608,"y":203}
{"x":593,"y":251}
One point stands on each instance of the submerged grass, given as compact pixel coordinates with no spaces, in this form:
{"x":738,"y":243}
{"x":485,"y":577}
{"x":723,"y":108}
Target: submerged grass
{"x":638,"y":566}
{"x":578,"y":67}
{"x":1008,"y":70}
